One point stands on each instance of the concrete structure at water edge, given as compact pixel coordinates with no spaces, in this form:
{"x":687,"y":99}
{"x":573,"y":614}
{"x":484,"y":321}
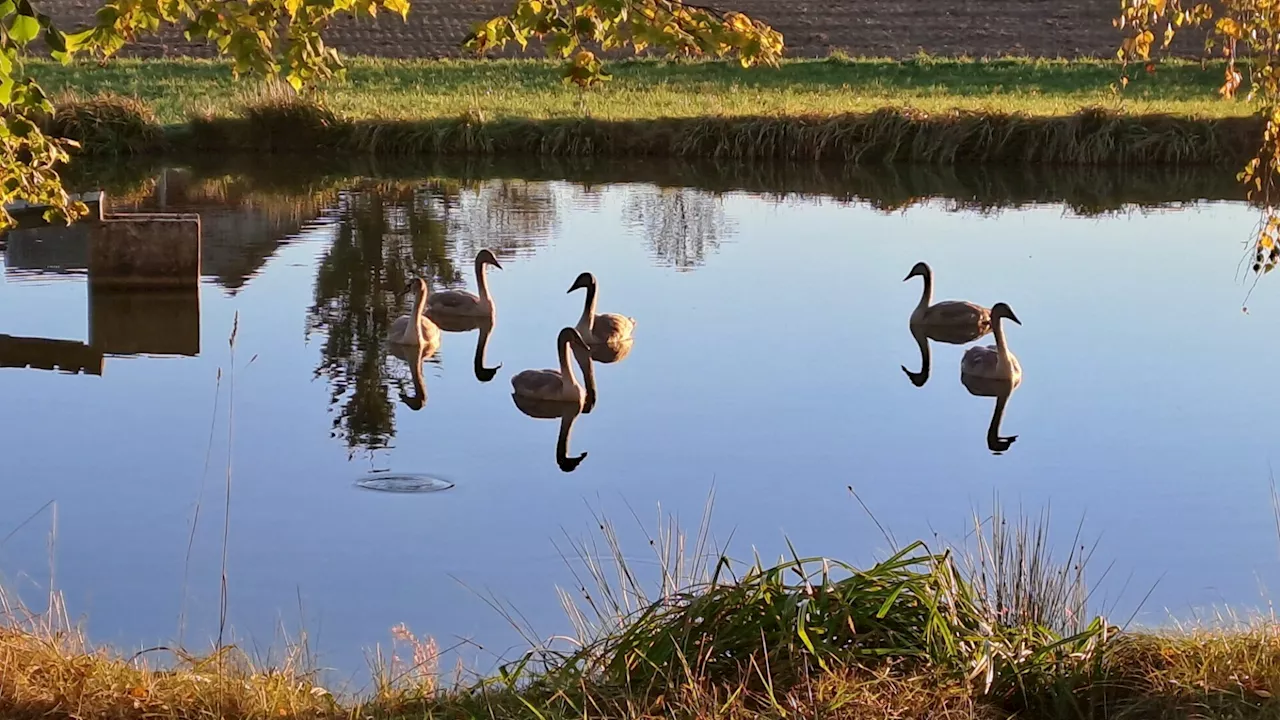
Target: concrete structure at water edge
{"x":143,"y":291}
{"x":145,"y":250}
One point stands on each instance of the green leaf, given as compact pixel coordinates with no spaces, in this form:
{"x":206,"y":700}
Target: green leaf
{"x":24,"y":29}
{"x":6,"y":8}
{"x":56,"y":41}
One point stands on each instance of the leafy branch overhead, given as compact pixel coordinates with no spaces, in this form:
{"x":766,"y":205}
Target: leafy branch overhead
{"x":573,"y":29}
{"x":262,"y":37}
{"x":1236,"y":29}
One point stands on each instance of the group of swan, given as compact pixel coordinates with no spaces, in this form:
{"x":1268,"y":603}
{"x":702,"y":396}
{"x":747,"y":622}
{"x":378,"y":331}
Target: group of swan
{"x":598,"y":337}
{"x":987,"y":371}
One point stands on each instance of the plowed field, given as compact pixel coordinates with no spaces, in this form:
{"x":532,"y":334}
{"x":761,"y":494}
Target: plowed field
{"x":811,"y":28}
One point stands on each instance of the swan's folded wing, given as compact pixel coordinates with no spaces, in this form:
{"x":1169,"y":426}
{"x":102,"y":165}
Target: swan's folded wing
{"x":452,"y":299}
{"x":537,"y":383}
{"x":956,"y":311}
{"x":979,"y":360}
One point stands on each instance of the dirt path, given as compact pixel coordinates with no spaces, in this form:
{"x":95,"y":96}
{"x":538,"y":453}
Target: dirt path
{"x":811,"y":28}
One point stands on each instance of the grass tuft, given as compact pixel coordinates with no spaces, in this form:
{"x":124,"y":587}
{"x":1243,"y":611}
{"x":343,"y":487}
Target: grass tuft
{"x":107,"y":124}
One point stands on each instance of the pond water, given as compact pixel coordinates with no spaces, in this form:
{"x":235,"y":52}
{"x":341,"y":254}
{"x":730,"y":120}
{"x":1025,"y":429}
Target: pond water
{"x":768,"y":366}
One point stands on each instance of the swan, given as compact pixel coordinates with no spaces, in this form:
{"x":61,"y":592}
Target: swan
{"x":461,"y":302}
{"x":559,"y":385}
{"x":547,"y":410}
{"x":603,"y":329}
{"x":993,"y":362}
{"x":951,"y":321}
{"x":405,"y":331}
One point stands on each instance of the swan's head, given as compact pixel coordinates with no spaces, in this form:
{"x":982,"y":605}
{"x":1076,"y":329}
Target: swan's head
{"x":569,"y":464}
{"x":413,"y":402}
{"x":1002,"y":310}
{"x":575,"y":341}
{"x":585,"y":280}
{"x":486,"y":257}
{"x":484,"y":374}
{"x":918,"y":270}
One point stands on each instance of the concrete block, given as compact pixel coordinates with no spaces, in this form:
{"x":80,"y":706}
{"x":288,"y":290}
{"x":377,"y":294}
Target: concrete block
{"x":146,"y":321}
{"x":145,"y":250}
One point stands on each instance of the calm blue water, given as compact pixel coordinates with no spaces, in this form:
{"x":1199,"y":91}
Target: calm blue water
{"x":766,"y":367}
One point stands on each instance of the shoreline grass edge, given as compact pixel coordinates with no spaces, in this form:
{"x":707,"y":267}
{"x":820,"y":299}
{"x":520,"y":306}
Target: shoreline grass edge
{"x":275,"y":121}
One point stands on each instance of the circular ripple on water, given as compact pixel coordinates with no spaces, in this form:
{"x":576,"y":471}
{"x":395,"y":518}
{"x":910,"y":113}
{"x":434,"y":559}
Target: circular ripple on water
{"x":403,"y":483}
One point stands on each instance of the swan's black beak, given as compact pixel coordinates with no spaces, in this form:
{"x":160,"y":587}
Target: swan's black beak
{"x":1014,"y":318}
{"x":917,"y":378}
{"x":569,"y":464}
{"x":496,"y":264}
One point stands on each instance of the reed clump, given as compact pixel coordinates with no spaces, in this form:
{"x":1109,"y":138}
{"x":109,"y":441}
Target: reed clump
{"x":275,"y":119}
{"x":999,"y":633}
{"x":107,"y":124}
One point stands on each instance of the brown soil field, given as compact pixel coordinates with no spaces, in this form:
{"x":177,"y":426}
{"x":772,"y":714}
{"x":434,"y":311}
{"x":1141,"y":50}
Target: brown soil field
{"x":811,"y":28}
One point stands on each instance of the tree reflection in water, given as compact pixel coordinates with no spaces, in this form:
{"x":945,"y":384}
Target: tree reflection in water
{"x":681,"y":225}
{"x":387,"y":235}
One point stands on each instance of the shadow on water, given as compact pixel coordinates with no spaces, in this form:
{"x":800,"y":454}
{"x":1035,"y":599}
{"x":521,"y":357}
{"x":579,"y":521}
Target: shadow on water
{"x":390,"y":223}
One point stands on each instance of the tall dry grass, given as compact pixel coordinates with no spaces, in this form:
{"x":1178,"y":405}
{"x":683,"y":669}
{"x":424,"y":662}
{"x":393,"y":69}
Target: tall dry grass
{"x":277,"y":120}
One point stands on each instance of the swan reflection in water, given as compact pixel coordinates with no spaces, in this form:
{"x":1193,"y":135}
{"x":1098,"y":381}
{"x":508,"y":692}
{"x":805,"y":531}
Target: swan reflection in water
{"x":953,"y":322}
{"x":550,"y":409}
{"x":464,"y":323}
{"x":547,"y":394}
{"x":994,"y":371}
{"x":414,"y":358}
{"x":1001,"y":390}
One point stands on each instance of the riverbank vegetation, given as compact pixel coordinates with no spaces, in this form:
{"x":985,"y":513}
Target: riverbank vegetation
{"x":809,"y":111}
{"x":175,"y":90}
{"x":997,"y":630}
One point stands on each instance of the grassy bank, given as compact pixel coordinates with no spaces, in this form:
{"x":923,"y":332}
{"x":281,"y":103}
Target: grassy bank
{"x":1003,"y":632}
{"x":646,"y":90}
{"x":946,"y":112}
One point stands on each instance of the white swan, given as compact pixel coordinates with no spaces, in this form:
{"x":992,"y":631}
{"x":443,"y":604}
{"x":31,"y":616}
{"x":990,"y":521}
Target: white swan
{"x":950,"y":321}
{"x":603,"y":329}
{"x":405,"y":331}
{"x":993,"y":362}
{"x":559,"y":385}
{"x":461,"y":302}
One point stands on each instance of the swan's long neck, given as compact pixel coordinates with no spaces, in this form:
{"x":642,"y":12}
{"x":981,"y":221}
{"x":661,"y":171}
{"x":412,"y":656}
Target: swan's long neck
{"x":923,"y":342}
{"x":588,"y":309}
{"x":419,"y":386}
{"x":1002,"y":348}
{"x":566,"y":369}
{"x":482,"y":282}
{"x":418,"y":307}
{"x":482,"y":342}
{"x":562,"y":440}
{"x":997,"y":414}
{"x":926,"y":295}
